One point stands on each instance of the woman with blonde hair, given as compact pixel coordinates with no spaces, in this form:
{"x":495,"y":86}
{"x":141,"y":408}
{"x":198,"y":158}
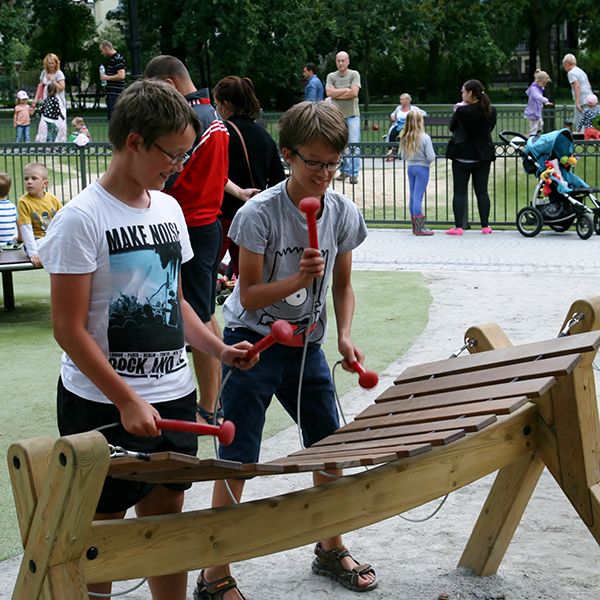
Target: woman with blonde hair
{"x":398,"y":118}
{"x":416,"y":149}
{"x":52,"y":74}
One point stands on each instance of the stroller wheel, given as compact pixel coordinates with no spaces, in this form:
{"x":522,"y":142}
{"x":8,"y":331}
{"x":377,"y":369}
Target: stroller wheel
{"x":584,"y":226}
{"x":597,"y":223}
{"x":529,"y":221}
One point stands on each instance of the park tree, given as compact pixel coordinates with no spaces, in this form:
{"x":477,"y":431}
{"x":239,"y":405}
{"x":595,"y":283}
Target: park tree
{"x":13,"y":29}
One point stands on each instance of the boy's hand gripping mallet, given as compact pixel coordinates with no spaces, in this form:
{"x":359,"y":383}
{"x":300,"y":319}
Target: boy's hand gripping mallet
{"x":310,"y":206}
{"x":366,"y":379}
{"x":281,"y":331}
{"x":224,"y":432}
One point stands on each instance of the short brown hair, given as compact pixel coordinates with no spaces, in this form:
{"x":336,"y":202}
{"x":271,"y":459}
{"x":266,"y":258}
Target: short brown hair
{"x":5,"y":183}
{"x":152,"y":109}
{"x":165,"y":66}
{"x":313,"y":121}
{"x":239,"y":92}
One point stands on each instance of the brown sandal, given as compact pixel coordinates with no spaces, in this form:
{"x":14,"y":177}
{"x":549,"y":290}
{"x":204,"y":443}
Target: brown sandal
{"x":215,"y":589}
{"x":327,"y":563}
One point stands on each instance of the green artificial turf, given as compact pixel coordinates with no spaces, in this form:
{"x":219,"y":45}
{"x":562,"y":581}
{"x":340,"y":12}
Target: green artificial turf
{"x":391,"y":310}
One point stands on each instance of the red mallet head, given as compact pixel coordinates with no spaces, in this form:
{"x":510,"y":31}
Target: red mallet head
{"x":282,"y":331}
{"x":226,"y":433}
{"x":310,"y":206}
{"x":366,"y":379}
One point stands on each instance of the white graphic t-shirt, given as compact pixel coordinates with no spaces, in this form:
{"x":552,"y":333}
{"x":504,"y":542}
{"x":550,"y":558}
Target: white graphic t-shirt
{"x":135,"y":257}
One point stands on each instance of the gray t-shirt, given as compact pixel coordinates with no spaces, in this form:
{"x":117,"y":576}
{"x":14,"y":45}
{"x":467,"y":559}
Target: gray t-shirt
{"x":270,"y":224}
{"x":351,"y":78}
{"x":585,"y":89}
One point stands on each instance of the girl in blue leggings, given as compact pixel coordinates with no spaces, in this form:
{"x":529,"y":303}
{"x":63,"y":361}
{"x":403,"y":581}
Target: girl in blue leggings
{"x":416,"y":149}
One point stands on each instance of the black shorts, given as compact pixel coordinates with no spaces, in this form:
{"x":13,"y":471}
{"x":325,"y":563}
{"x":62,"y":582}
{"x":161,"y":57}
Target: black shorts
{"x":199,"y":275}
{"x":76,"y":415}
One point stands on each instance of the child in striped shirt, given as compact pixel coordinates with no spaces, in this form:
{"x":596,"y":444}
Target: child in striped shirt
{"x":8,"y":212}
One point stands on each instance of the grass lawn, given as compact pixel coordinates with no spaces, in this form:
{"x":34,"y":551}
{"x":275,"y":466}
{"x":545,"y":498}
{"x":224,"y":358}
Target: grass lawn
{"x":392,"y":310}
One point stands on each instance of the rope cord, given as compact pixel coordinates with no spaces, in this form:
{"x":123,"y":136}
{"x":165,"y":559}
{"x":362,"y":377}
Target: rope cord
{"x":117,"y":594}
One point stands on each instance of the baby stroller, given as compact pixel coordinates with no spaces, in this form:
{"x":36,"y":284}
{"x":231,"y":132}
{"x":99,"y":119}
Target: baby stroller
{"x":559,"y":197}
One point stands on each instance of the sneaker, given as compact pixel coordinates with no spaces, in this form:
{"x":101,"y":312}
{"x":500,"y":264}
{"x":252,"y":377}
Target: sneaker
{"x":455,"y":231}
{"x":353,"y":180}
{"x":342,"y":177}
{"x":486,"y":230}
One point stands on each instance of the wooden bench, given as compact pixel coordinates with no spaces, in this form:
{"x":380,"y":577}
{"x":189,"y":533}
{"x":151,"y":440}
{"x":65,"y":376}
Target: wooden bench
{"x":10,"y":261}
{"x":438,"y":127}
{"x":441,"y":426}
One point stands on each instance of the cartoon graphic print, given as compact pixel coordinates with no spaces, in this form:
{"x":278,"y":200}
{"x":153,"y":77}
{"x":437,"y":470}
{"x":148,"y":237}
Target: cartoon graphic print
{"x":298,"y":307}
{"x":145,"y":327}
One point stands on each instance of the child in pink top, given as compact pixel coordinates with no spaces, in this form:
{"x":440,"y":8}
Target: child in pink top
{"x":22,"y":117}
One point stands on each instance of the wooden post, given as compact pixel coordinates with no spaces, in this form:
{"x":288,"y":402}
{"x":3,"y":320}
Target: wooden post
{"x":512,"y":489}
{"x":62,"y":517}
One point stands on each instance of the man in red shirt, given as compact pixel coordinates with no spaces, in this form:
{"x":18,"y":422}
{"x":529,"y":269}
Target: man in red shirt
{"x":199,"y":189}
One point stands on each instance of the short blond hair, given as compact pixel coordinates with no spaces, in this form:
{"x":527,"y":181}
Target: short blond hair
{"x":541,"y":77}
{"x":569,"y":59}
{"x":77,"y":121}
{"x":36,"y":166}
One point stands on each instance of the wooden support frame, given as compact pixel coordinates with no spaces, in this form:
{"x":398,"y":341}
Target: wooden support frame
{"x":57,"y":484}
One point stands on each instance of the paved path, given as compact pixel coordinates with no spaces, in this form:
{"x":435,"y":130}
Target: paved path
{"x":503,"y":251}
{"x":526,"y":285}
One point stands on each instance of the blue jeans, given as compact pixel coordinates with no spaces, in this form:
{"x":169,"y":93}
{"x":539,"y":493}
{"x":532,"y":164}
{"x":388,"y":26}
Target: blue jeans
{"x":351,"y":164}
{"x":22,"y":134}
{"x":418,"y":176}
{"x":247,"y":395}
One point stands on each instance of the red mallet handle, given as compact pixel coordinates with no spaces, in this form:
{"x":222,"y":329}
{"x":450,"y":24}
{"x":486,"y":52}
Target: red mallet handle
{"x":225,"y":432}
{"x":366,"y":379}
{"x":281,"y":331}
{"x":310,"y":207}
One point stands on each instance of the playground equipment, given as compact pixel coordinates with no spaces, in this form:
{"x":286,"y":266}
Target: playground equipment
{"x":441,"y":426}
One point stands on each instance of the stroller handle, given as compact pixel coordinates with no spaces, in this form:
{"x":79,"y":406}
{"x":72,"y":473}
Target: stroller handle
{"x":507,"y":137}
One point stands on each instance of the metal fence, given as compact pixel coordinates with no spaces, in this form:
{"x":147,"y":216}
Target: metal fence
{"x":381,"y":192}
{"x":374,"y":123}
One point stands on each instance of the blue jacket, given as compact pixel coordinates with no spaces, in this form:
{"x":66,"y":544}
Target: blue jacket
{"x":314,"y":91}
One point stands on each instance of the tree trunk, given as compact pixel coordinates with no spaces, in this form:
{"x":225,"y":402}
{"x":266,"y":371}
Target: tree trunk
{"x":433,"y":61}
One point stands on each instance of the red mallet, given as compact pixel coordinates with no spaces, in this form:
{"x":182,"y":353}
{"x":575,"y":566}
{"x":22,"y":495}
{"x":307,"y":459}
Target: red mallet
{"x":281,"y":331}
{"x":310,"y":206}
{"x":366,"y":379}
{"x":225,"y":432}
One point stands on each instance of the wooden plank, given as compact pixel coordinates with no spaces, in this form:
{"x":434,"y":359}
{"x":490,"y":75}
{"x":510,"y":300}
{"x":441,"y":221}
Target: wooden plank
{"x":532,"y":388}
{"x":172,"y":467}
{"x":584,"y":342}
{"x":469,"y":424}
{"x":557,"y":366}
{"x":436,"y":438}
{"x":491,"y":407}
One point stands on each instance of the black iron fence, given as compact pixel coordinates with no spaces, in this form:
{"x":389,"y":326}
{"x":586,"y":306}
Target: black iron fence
{"x":381,"y":192}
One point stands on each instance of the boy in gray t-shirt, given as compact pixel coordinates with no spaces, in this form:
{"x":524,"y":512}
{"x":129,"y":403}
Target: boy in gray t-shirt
{"x":282,"y":278}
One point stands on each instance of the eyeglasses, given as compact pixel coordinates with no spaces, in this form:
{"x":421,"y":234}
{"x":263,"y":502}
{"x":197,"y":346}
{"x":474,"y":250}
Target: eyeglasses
{"x":317,"y":165}
{"x":175,"y":160}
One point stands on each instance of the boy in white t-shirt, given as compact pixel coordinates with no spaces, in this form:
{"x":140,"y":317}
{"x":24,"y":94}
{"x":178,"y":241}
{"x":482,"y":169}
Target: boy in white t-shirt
{"x":114,"y":255}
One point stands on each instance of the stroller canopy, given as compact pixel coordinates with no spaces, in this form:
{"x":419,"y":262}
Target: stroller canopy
{"x":550,"y":146}
{"x":553,"y":146}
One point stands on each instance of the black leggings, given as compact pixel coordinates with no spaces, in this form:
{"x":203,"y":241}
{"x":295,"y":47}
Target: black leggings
{"x":461,"y":172}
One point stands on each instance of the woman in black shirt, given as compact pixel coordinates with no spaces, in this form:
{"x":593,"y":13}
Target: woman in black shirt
{"x":253,"y":156}
{"x":472,"y":152}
